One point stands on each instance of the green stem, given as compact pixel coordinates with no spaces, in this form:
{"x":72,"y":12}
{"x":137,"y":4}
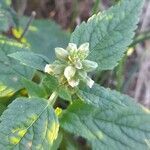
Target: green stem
{"x":141,"y":37}
{"x":52,"y":98}
{"x":96,"y":7}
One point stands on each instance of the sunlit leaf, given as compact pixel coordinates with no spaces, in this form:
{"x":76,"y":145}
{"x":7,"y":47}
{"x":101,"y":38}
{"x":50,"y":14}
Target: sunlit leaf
{"x":28,"y":124}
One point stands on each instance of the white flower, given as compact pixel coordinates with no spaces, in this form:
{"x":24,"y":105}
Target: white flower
{"x":78,"y":64}
{"x":61,"y":53}
{"x":72,"y":48}
{"x":69,"y":72}
{"x":48,"y":69}
{"x":89,"y":65}
{"x":84,"y":49}
{"x":71,"y":65}
{"x":73,"y":82}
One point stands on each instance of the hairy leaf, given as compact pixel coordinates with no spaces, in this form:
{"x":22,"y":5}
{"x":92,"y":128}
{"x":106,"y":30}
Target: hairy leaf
{"x":5,"y":19}
{"x":112,"y":128}
{"x":2,"y":108}
{"x":57,"y":142}
{"x":106,"y":98}
{"x":28,"y":124}
{"x":31,"y":59}
{"x":64,"y":93}
{"x":10,"y":70}
{"x":34,"y":89}
{"x":109,"y":33}
{"x":50,"y":83}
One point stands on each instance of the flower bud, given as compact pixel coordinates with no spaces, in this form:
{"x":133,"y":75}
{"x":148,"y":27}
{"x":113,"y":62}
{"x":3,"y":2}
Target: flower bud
{"x":72,"y":48}
{"x":78,"y":64}
{"x":84,"y":49}
{"x":89,"y":65}
{"x":69,"y":72}
{"x":61,"y":53}
{"x":89,"y":82}
{"x":48,"y":68}
{"x":73,"y":82}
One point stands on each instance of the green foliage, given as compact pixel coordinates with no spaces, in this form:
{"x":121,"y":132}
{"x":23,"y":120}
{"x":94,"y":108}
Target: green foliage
{"x":31,"y":59}
{"x":5,"y":3}
{"x":109,"y":128}
{"x":107,"y":119}
{"x":10,"y":71}
{"x":50,"y":83}
{"x":28,"y":124}
{"x":34,"y":90}
{"x":57,"y":142}
{"x":5,"y":20}
{"x":106,"y":98}
{"x":109,"y":33}
{"x":2,"y":108}
{"x":64,"y":93}
{"x":44,"y":35}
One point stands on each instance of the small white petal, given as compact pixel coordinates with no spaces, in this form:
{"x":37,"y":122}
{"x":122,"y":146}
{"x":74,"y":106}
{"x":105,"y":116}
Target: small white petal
{"x":48,"y":68}
{"x":72,"y":48}
{"x":89,"y":65}
{"x":78,"y":64}
{"x":69,"y":72}
{"x":89,"y":82}
{"x":73,"y":83}
{"x":84,"y":49}
{"x":61,"y":53}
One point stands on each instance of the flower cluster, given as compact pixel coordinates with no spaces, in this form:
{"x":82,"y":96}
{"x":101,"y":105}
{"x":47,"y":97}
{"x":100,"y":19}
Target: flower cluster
{"x":71,"y":65}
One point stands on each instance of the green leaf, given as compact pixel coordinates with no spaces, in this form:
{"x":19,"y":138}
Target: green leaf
{"x":34,"y":89}
{"x":109,"y":33}
{"x":50,"y":83}
{"x":44,"y":35}
{"x":4,"y":90}
{"x":69,"y":142}
{"x":28,"y":124}
{"x":106,"y":98}
{"x":57,"y":142}
{"x":31,"y":59}
{"x":5,"y":20}
{"x":112,"y":129}
{"x":10,"y":70}
{"x":64,"y":93}
{"x":2,"y":108}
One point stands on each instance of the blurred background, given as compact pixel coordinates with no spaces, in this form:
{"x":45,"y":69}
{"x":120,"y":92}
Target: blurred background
{"x":132,"y":75}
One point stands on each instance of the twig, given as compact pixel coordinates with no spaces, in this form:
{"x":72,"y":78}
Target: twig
{"x":27,"y":25}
